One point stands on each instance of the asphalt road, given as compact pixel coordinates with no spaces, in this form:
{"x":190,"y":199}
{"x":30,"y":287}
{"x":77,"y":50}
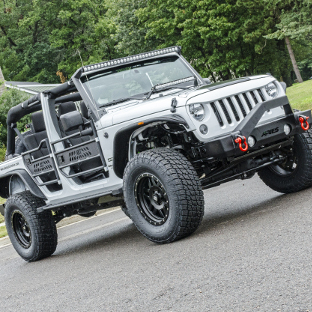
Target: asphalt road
{"x":251,"y":253}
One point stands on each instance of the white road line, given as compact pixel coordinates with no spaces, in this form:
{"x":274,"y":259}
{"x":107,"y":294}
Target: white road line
{"x":92,"y":229}
{"x":83,"y":232}
{"x":5,"y":245}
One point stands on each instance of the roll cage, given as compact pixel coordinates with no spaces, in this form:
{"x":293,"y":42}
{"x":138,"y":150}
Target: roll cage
{"x":74,"y":90}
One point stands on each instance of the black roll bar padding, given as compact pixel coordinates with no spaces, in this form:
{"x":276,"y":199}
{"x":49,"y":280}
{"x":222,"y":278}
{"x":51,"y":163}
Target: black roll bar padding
{"x":251,"y":120}
{"x":69,"y":97}
{"x":14,"y":115}
{"x":32,"y":105}
{"x":29,"y":106}
{"x":63,"y":88}
{"x":33,"y":99}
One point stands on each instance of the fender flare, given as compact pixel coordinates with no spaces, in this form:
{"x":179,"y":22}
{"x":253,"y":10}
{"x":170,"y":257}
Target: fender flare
{"x":123,"y":135}
{"x":24,"y":178}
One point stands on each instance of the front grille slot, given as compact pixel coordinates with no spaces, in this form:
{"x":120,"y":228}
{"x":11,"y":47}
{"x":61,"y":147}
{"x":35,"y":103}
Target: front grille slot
{"x":261,"y":95}
{"x":226,"y":113}
{"x":247,"y":101}
{"x":241,"y":106}
{"x":233,"y":109}
{"x":254,"y":97}
{"x":215,"y":110}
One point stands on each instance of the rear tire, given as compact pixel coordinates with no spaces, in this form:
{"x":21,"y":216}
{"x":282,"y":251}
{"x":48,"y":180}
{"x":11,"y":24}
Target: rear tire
{"x":163,"y":195}
{"x":33,"y":234}
{"x":87,"y":214}
{"x":295,"y":173}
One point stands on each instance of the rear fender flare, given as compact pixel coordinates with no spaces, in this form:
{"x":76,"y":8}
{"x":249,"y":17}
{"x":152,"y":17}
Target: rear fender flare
{"x":17,"y":181}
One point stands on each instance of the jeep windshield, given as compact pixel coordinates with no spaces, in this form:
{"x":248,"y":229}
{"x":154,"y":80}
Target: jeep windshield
{"x":135,"y":81}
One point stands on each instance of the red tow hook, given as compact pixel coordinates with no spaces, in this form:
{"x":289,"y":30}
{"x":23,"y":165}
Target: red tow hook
{"x":239,"y":140}
{"x":302,"y":120}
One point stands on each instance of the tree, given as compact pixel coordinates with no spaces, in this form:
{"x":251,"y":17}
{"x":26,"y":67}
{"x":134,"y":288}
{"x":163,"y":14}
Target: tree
{"x":129,"y":34}
{"x":222,"y":39}
{"x":46,"y":41}
{"x":83,"y":32}
{"x":295,"y":23}
{"x":8,"y":99}
{"x":25,"y":52}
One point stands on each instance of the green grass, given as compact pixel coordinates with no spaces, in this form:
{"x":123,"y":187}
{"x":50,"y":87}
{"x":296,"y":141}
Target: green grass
{"x":300,"y":95}
{"x":3,"y":231}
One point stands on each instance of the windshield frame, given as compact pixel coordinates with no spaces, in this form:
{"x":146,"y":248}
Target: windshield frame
{"x":84,"y":76}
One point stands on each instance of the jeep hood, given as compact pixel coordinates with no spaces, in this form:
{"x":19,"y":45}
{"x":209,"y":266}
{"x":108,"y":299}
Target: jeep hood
{"x":134,"y":109}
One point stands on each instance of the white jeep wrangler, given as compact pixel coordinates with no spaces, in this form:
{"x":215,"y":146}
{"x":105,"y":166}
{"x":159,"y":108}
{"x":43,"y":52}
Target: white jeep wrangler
{"x":146,"y":132}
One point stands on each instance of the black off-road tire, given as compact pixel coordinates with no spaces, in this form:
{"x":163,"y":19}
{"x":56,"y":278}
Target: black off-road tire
{"x":300,"y":177}
{"x":87,"y":214}
{"x":33,"y":234}
{"x":172,"y":183}
{"x":125,"y":210}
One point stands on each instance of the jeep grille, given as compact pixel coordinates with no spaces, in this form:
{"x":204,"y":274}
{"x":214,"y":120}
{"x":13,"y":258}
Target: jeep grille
{"x":236,"y":107}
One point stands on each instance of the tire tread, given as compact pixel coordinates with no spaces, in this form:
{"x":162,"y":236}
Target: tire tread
{"x":187,"y":187}
{"x":44,"y":224}
{"x":293,"y":183}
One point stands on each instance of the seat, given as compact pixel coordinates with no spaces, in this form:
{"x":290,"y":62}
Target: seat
{"x":63,"y":109}
{"x":66,"y":107}
{"x":71,"y":123}
{"x":33,"y":140}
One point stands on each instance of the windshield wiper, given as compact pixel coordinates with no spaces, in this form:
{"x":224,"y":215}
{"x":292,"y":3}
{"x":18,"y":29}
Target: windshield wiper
{"x":122,"y":100}
{"x":171,"y":85}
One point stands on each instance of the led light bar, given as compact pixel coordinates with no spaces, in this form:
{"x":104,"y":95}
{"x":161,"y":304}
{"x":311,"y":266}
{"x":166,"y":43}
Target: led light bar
{"x":132,"y":58}
{"x":172,"y":83}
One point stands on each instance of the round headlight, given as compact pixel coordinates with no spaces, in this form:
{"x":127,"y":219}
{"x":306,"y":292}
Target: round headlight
{"x":197,"y":111}
{"x":271,"y":90}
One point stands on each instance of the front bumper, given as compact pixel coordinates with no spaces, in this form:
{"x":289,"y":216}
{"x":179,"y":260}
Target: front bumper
{"x":264,"y":135}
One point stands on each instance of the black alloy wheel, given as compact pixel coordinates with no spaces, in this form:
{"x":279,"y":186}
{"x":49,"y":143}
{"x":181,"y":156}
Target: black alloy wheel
{"x":21,"y":229}
{"x":33,"y":234}
{"x":151,"y":198}
{"x":163,"y":195}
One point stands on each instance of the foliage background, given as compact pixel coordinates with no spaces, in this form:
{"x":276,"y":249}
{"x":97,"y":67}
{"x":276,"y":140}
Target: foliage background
{"x":9,"y":99}
{"x":46,"y":41}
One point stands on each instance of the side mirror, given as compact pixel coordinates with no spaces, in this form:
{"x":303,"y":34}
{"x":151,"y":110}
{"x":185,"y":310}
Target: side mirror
{"x":207,"y":81}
